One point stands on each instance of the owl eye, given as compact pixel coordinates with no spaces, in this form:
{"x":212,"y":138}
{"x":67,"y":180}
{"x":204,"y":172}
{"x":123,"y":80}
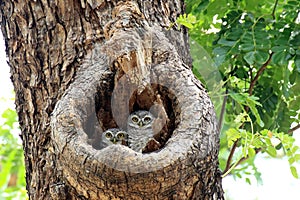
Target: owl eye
{"x":121,"y":135}
{"x":147,"y":119}
{"x":108,"y":134}
{"x":135,"y":119}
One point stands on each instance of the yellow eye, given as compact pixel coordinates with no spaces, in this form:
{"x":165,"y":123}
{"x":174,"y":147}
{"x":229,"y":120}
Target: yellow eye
{"x":108,"y":134}
{"x":121,"y":135}
{"x":135,"y":119}
{"x":147,"y":119}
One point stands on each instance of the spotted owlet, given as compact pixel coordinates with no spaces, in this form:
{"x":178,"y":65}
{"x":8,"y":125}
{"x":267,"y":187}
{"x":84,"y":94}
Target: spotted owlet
{"x":139,"y":129}
{"x":113,"y":136}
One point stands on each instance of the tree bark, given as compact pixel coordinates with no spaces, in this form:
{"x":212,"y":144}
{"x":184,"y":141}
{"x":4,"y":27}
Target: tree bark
{"x":78,"y":69}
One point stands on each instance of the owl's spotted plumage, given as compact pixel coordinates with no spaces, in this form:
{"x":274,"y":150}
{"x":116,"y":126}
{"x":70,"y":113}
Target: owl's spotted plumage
{"x":113,"y":136}
{"x":139,"y":129}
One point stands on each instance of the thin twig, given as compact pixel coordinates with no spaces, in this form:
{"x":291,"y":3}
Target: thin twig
{"x":260,"y":71}
{"x":259,"y":149}
{"x":245,"y":158}
{"x":274,"y":9}
{"x":239,"y":162}
{"x":229,"y":159}
{"x":223,"y":109}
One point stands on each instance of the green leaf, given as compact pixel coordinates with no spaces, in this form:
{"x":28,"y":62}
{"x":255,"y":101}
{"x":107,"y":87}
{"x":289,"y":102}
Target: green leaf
{"x":190,"y":5}
{"x":251,"y":4}
{"x":232,"y":136}
{"x":10,"y":117}
{"x":247,"y":38}
{"x":293,"y":3}
{"x":248,"y":181}
{"x":254,"y":110}
{"x":225,"y":42}
{"x":292,"y":51}
{"x":220,"y":54}
{"x":271,"y":151}
{"x":294,"y":171}
{"x":265,"y":132}
{"x":261,"y":57}
{"x":289,"y":153}
{"x":294,"y":149}
{"x":291,"y":160}
{"x":258,"y":57}
{"x":220,"y":51}
{"x":257,"y":143}
{"x":202,"y":6}
{"x":268,"y":141}
{"x":6,"y":167}
{"x":261,"y":36}
{"x":234,"y":34}
{"x":250,"y":57}
{"x":279,"y":58}
{"x":187,"y":20}
{"x":251,"y":102}
{"x":297,"y":157}
{"x":247,"y":46}
{"x":238,"y":97}
{"x":251,"y":152}
{"x":278,"y":48}
{"x":297,"y":63}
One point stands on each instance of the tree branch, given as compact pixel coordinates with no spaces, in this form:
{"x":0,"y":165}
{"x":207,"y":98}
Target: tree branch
{"x":250,"y":91}
{"x":260,"y":71}
{"x":239,"y":162}
{"x":293,"y":129}
{"x":228,"y":163}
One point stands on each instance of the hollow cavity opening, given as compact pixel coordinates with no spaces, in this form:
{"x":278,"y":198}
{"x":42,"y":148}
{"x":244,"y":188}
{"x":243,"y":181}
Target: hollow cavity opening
{"x":115,"y":102}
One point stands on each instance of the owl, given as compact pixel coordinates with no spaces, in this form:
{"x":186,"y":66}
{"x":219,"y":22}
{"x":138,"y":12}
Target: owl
{"x":139,"y":129}
{"x":113,"y":136}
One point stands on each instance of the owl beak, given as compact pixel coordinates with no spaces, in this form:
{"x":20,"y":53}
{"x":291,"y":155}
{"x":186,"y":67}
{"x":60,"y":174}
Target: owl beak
{"x":114,"y":140}
{"x":140,"y":123}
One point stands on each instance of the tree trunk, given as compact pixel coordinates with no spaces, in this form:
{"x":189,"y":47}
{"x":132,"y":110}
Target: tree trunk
{"x":78,"y":69}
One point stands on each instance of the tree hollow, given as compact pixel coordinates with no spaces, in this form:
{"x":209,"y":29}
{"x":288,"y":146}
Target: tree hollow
{"x":174,"y":169}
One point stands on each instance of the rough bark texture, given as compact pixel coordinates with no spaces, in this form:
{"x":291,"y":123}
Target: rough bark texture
{"x":79,"y":68}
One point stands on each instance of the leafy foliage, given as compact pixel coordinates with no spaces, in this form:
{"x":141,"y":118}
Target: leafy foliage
{"x":255,"y":47}
{"x":12,"y":170}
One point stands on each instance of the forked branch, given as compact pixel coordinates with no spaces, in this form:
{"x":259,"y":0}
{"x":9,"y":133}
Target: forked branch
{"x":250,"y":91}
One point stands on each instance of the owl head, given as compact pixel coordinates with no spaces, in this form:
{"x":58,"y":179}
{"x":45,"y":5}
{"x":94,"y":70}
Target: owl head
{"x":114,"y":136}
{"x":140,"y":119}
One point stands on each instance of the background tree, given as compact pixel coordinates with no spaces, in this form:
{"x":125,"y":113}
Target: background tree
{"x":65,"y":59}
{"x":255,"y":48}
{"x":12,"y":171}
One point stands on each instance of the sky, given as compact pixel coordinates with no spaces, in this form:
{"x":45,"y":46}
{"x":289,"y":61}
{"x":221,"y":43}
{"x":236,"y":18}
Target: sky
{"x":278,"y":183}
